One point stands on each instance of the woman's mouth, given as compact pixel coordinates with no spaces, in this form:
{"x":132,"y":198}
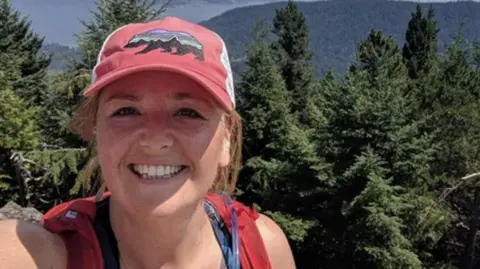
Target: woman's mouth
{"x":155,"y":172}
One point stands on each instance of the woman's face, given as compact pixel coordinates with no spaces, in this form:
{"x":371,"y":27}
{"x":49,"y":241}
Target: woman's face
{"x":160,"y":140}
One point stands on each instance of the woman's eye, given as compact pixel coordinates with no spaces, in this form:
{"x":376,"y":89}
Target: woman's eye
{"x":125,"y":111}
{"x":187,"y":112}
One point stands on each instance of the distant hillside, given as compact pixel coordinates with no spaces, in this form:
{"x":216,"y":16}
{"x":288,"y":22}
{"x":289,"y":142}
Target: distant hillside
{"x":337,"y":26}
{"x":196,"y":2}
{"x":61,"y":55}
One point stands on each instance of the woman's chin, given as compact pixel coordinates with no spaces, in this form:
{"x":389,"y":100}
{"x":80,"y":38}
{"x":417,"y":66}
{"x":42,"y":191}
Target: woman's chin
{"x":162,"y":197}
{"x":163,"y":207}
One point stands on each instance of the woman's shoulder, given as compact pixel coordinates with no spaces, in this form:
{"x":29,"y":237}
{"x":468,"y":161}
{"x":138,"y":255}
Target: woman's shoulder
{"x":28,"y":245}
{"x":275,"y":240}
{"x":276,"y":243}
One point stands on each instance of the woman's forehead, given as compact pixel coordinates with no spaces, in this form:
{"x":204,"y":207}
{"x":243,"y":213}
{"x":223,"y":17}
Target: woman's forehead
{"x":156,"y":86}
{"x":139,"y":95}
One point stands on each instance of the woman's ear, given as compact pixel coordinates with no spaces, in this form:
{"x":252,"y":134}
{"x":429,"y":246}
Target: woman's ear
{"x":226,"y":145}
{"x":225,"y":155}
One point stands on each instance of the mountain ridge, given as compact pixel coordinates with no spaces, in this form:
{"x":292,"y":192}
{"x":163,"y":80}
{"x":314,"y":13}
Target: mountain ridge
{"x":337,"y":27}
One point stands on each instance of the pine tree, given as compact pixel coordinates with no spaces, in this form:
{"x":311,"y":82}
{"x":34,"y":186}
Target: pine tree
{"x":454,"y":120}
{"x":18,"y":127}
{"x":420,"y":49}
{"x":17,"y":38}
{"x":420,"y":55}
{"x":455,"y":115}
{"x":277,"y":150}
{"x":381,"y":161}
{"x":476,"y":54}
{"x":379,"y":53}
{"x":376,"y":237}
{"x":294,"y":55}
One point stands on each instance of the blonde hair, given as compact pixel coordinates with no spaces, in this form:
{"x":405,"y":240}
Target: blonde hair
{"x":83,"y":124}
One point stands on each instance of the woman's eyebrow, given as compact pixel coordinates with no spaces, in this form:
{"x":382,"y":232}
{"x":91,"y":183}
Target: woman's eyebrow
{"x":122,"y":96}
{"x":187,"y":96}
{"x":182,"y":96}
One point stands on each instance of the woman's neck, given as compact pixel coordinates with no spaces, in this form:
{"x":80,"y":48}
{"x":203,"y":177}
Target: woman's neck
{"x":167,"y":242}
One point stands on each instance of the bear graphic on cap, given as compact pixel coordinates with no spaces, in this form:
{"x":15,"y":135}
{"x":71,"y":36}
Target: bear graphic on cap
{"x":178,"y":43}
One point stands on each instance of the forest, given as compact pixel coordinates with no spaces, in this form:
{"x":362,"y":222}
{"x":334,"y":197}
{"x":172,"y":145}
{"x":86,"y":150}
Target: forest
{"x":373,"y":167}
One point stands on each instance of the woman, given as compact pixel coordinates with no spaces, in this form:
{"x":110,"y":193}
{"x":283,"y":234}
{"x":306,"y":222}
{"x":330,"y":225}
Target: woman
{"x":160,"y":111}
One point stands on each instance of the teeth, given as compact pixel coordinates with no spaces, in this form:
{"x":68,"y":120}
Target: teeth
{"x":155,"y":172}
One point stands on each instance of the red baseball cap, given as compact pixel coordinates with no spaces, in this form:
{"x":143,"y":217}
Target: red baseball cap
{"x":169,"y":44}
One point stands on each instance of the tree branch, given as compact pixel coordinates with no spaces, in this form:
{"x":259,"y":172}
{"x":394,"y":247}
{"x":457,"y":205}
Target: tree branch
{"x":464,"y":180}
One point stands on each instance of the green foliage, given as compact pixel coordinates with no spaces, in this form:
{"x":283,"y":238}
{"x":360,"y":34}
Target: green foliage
{"x":420,"y":49}
{"x":276,"y":148}
{"x":18,"y":117}
{"x":58,"y":161}
{"x":379,"y":53}
{"x":381,"y":158}
{"x":60,"y":104}
{"x":292,"y":50}
{"x":18,"y":40}
{"x":377,"y":226}
{"x":61,"y":174}
{"x":350,"y":166}
{"x":18,"y":128}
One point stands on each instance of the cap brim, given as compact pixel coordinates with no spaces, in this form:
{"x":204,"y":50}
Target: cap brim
{"x":204,"y":81}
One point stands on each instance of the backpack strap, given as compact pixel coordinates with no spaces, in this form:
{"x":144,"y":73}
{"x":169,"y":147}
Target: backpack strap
{"x":253,"y":254}
{"x":73,"y":222}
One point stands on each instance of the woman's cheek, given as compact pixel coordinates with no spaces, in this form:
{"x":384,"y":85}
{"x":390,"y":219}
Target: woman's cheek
{"x":115,"y":134}
{"x":194,"y":135}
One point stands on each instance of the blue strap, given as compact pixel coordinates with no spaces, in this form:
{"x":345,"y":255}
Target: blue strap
{"x":234,"y":229}
{"x":223,"y":237}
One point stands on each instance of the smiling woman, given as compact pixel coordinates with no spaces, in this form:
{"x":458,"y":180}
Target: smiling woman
{"x":161,"y":114}
{"x":157,"y":145}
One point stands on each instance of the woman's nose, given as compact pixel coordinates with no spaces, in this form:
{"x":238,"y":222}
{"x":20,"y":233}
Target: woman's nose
{"x":156,"y":134}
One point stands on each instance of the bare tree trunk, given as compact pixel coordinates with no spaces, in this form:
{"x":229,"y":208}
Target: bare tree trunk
{"x":18,"y":162}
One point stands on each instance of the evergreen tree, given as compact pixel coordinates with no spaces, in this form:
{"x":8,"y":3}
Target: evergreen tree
{"x":420,"y":55}
{"x":17,"y":38}
{"x":455,"y":115}
{"x":376,"y":235}
{"x":381,"y":162}
{"x":379,"y":53}
{"x":294,"y":55}
{"x":476,"y":55}
{"x":277,"y":150}
{"x":420,"y":49}
{"x":18,"y":128}
{"x":453,"y":120}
